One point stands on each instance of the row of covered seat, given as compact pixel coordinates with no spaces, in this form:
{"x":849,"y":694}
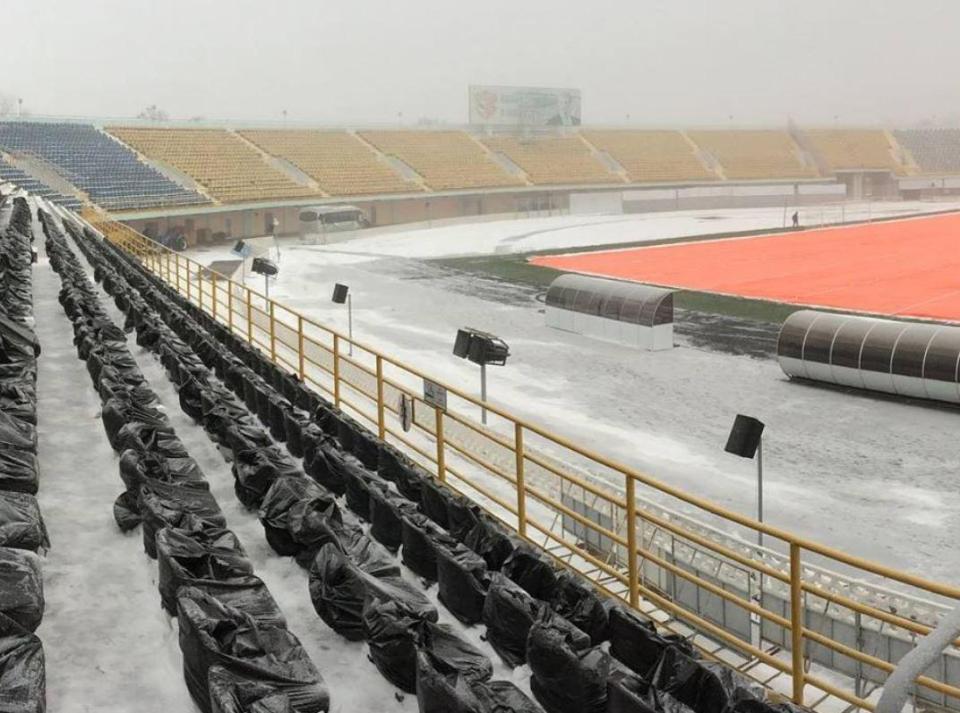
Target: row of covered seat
{"x":34,"y":186}
{"x":533,"y":612}
{"x":233,"y":636}
{"x":22,"y":530}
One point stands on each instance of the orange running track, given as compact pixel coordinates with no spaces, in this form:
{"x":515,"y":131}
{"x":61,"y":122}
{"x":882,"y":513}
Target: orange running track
{"x":906,"y":267}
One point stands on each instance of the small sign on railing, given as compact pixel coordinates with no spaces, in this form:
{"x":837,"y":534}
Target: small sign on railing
{"x":434,"y":394}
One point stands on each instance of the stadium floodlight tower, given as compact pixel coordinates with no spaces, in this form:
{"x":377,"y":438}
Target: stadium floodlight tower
{"x":481,"y":348}
{"x":341,"y":294}
{"x":746,"y":441}
{"x":267,"y":268}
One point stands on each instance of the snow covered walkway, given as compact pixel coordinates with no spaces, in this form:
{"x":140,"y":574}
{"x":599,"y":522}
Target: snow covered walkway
{"x":108,"y":644}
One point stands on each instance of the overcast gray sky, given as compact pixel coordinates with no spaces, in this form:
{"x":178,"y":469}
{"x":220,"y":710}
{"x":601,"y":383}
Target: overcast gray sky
{"x":358,"y":61}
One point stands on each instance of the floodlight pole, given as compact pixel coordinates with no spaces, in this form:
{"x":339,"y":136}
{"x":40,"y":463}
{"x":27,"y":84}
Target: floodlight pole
{"x":483,"y":393}
{"x":760,"y":489}
{"x":266,"y":286}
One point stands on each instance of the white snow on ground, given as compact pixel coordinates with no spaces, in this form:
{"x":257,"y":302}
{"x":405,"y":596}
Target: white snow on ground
{"x":870,"y":476}
{"x":108,"y":645}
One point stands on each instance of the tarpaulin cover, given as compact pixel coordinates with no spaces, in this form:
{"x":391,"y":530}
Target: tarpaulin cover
{"x":147,"y":437}
{"x":704,"y":687}
{"x":256,"y":470}
{"x":359,"y":482}
{"x":213,"y":561}
{"x":21,"y":525}
{"x":634,"y":641}
{"x":294,"y":422}
{"x":340,"y":587}
{"x":579,"y":604}
{"x":628,"y":693}
{"x":532,"y":571}
{"x":318,"y":521}
{"x":164,"y":505}
{"x":19,"y":400}
{"x":127,"y":405}
{"x":219,"y":416}
{"x":21,"y":587}
{"x":19,"y":471}
{"x":17,"y":342}
{"x":137,"y":467}
{"x":433,"y":502}
{"x":509,"y":612}
{"x":274,"y":511}
{"x":491,"y":540}
{"x":22,"y":670}
{"x":462,"y":515}
{"x":394,"y":635}
{"x":366,"y":447}
{"x":422,"y":537}
{"x":212,"y":633}
{"x":14,"y":433}
{"x":230,"y":693}
{"x":126,"y":511}
{"x":386,"y":510}
{"x":245,"y":436}
{"x":565,"y":679}
{"x":442,"y":689}
{"x":399,"y":469}
{"x":330,"y":467}
{"x":503,"y":697}
{"x":463,"y":578}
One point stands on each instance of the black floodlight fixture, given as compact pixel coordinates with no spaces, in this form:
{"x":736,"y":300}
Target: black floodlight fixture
{"x":340,"y":293}
{"x":265,"y":267}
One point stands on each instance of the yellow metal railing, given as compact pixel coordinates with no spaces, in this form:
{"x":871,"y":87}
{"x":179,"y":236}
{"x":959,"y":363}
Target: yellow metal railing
{"x":522,"y":471}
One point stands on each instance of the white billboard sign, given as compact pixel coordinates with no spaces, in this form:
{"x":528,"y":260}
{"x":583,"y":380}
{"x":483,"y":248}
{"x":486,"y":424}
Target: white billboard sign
{"x":524,"y":106}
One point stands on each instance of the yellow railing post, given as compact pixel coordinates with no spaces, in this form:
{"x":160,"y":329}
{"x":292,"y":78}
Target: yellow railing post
{"x":273,"y":333}
{"x":441,"y":460}
{"x":176,"y":269}
{"x":213,"y":289}
{"x":633,"y":576}
{"x":796,"y":623}
{"x":188,"y":282}
{"x":381,"y":410}
{"x":521,"y":486}
{"x":168,"y":266}
{"x":200,"y":287}
{"x":336,"y":370}
{"x":230,"y":305}
{"x":249,"y":319}
{"x":301,"y":357}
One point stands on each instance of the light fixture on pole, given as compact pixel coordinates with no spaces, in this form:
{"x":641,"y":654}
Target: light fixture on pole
{"x":341,"y":294}
{"x":481,"y":348}
{"x":242,"y":250}
{"x":267,"y":268}
{"x":746,"y":441}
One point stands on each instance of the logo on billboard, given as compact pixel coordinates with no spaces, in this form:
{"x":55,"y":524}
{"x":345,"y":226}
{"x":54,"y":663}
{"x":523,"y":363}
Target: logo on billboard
{"x":524,"y":106}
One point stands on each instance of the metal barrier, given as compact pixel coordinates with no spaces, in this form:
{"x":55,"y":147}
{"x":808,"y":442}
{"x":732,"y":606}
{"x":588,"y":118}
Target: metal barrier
{"x":590,"y":512}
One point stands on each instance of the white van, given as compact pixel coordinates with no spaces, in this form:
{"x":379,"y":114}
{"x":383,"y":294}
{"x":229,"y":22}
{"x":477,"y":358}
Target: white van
{"x":316,"y":222}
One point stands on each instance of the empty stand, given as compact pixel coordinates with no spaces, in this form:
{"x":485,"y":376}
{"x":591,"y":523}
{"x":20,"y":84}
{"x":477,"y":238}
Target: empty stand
{"x":22,"y":179}
{"x":554,"y":160}
{"x":935,"y":151}
{"x":231,"y":170}
{"x":854,"y":149}
{"x":651,"y":156}
{"x":337,"y":160}
{"x":110,"y":173}
{"x":446,"y":160}
{"x":754,"y":155}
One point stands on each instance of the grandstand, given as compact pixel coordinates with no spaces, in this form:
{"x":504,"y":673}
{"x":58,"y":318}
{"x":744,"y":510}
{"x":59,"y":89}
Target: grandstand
{"x":22,"y":179}
{"x":340,"y":163}
{"x":552,"y":161}
{"x":446,"y":160}
{"x":854,"y":150}
{"x":934,"y":151}
{"x":651,"y":156}
{"x":104,"y":169}
{"x":755,"y":155}
{"x":229,"y":169}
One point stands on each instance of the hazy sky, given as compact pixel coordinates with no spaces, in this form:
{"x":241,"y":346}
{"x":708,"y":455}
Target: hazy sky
{"x":354,"y":61}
